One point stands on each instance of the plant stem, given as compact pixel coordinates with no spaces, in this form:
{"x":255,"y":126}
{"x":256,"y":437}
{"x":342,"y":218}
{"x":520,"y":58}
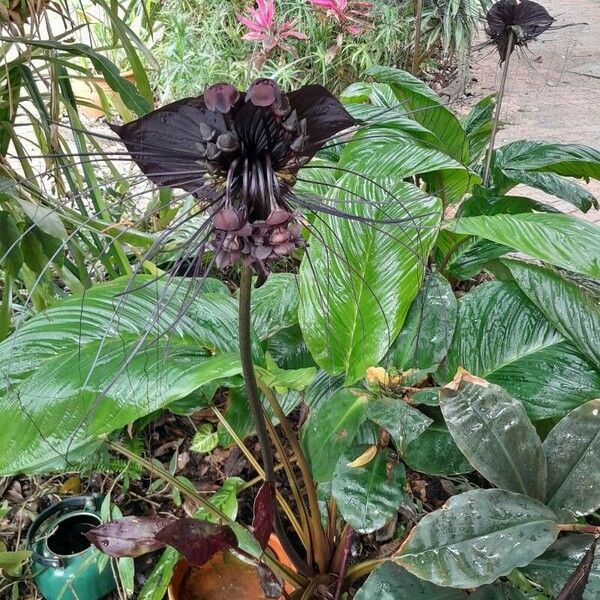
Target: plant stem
{"x":257,"y":410}
{"x":318,"y":535}
{"x":488,"y":163}
{"x":417,"y":40}
{"x":361,"y":570}
{"x":593,"y":529}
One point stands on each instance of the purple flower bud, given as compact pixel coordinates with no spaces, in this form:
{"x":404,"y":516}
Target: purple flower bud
{"x":221,"y":97}
{"x":226,"y":220}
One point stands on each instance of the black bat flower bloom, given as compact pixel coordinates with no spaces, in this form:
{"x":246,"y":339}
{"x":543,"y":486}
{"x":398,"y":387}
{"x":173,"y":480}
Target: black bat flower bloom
{"x":239,"y":153}
{"x":524,"y":18}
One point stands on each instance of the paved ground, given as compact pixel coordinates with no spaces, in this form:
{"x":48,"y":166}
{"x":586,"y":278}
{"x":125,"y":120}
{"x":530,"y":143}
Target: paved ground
{"x":553,"y":92}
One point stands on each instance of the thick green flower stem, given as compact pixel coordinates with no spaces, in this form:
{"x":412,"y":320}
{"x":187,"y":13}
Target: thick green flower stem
{"x":490,"y":154}
{"x":256,"y":409}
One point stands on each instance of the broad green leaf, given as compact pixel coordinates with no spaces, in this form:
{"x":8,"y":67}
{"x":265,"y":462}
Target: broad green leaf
{"x":12,"y":562}
{"x":225,"y":499}
{"x":11,"y":255}
{"x":239,"y":417}
{"x":568,"y":160}
{"x":573,"y":452}
{"x":45,"y":218}
{"x":158,"y":581}
{"x":275,"y":305}
{"x":288,"y":349}
{"x":555,"y":185}
{"x":558,"y":239}
{"x":331,"y":428}
{"x":478,"y":128}
{"x":493,"y":431}
{"x":285,"y":379}
{"x":496,"y":326}
{"x":205,"y":439}
{"x":357,"y":279}
{"x":502,"y":337}
{"x":574,"y":311}
{"x":368,"y":496}
{"x":477,"y":537}
{"x":428,"y":328}
{"x":391,"y":582}
{"x":94,"y":363}
{"x":434,"y":452}
{"x":550,"y":381}
{"x":557,"y":564}
{"x":403,"y":422}
{"x":422,"y":104}
{"x":384,"y":152}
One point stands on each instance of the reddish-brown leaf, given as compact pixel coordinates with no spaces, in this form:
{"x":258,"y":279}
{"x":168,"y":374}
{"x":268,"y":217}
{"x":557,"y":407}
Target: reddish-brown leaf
{"x":197,"y":540}
{"x":130,"y":536}
{"x":262,"y":521}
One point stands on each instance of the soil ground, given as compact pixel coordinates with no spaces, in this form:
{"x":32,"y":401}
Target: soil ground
{"x":553,"y":89}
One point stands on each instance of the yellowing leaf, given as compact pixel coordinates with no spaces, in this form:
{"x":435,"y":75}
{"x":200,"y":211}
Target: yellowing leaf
{"x":365,"y":458}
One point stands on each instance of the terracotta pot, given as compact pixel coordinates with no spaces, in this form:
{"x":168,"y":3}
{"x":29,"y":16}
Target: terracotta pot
{"x":86,"y":90}
{"x":224,"y":577}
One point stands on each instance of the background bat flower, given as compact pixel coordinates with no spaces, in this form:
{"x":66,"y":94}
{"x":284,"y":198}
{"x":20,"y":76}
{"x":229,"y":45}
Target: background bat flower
{"x":239,"y":153}
{"x":526,"y":19}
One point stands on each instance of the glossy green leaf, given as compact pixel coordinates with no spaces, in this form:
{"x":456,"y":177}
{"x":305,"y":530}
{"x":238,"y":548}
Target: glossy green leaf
{"x":434,"y":452}
{"x":45,"y":218}
{"x":428,"y":329}
{"x":225,"y":499}
{"x":331,"y":428}
{"x":288,"y":349}
{"x":573,"y":451}
{"x":205,"y":439}
{"x":568,"y":160}
{"x":285,"y":379}
{"x":92,"y":364}
{"x":11,"y":255}
{"x":158,"y":581}
{"x":403,"y":422}
{"x":557,"y":564}
{"x":502,"y":337}
{"x":357,"y":280}
{"x":558,"y":239}
{"x":574,"y":311}
{"x":478,"y":128}
{"x":422,"y":104}
{"x":275,"y":304}
{"x":494,"y":432}
{"x":555,"y":185}
{"x":368,"y":496}
{"x":477,"y":537}
{"x":550,"y":381}
{"x":391,"y":582}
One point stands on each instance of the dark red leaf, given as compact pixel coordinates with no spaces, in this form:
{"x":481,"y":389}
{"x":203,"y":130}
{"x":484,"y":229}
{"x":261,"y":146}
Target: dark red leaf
{"x":575,"y":586}
{"x":262,"y":521}
{"x":197,"y":540}
{"x":130,"y":536}
{"x":271,"y":584}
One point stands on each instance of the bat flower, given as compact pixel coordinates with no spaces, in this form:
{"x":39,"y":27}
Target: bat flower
{"x":239,"y":153}
{"x":526,"y":19}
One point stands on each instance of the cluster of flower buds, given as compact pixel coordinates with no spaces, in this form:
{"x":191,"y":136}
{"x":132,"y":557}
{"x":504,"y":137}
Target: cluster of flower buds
{"x":255,"y":243}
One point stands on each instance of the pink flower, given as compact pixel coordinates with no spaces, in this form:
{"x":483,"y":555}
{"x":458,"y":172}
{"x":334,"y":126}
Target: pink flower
{"x":262,"y":27}
{"x":354,"y":16}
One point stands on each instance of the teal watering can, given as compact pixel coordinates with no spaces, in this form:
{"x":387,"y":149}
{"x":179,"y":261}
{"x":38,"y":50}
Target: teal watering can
{"x":66,"y":566}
